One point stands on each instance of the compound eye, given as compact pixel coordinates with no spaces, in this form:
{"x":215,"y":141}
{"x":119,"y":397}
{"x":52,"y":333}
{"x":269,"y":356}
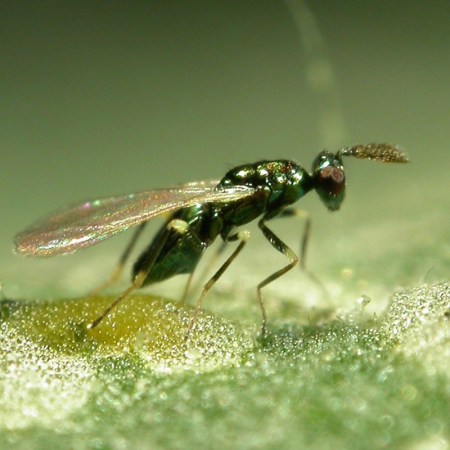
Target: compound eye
{"x":331,"y":180}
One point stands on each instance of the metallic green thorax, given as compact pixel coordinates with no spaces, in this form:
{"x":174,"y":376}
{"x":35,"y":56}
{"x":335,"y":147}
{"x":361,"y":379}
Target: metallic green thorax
{"x":278,"y":184}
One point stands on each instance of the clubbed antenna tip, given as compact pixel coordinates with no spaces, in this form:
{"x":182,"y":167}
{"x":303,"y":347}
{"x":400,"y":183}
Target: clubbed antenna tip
{"x":378,"y":152}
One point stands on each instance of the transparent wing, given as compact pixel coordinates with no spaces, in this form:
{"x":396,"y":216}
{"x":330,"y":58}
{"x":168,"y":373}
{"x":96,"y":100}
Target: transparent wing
{"x":86,"y":224}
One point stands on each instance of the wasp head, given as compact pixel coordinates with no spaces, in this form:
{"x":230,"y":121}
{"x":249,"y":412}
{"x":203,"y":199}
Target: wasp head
{"x":329,"y":179}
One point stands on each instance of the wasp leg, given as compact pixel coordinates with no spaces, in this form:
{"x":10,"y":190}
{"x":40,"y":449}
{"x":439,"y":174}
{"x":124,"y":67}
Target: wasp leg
{"x":301,"y":213}
{"x":115,"y":275}
{"x":279,"y":245}
{"x":139,"y":279}
{"x":241,"y":236}
{"x":186,"y":288}
{"x":204,"y":273}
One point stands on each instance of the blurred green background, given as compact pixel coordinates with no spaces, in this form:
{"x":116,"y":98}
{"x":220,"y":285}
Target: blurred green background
{"x":108,"y":97}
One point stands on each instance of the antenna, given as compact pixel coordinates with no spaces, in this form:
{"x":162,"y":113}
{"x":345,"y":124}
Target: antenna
{"x":379,"y":152}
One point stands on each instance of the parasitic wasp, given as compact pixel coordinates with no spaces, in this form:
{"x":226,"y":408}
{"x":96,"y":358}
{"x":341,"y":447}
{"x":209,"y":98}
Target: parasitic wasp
{"x":198,"y":213}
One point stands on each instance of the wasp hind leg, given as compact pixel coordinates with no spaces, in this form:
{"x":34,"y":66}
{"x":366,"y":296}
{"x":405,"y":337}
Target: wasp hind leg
{"x":118,"y":270}
{"x":139,"y":279}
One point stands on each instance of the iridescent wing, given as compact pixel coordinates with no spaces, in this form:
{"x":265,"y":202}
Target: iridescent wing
{"x":89,"y":223}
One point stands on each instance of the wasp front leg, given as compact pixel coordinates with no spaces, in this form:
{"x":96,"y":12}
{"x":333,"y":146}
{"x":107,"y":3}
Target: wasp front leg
{"x":283,"y":248}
